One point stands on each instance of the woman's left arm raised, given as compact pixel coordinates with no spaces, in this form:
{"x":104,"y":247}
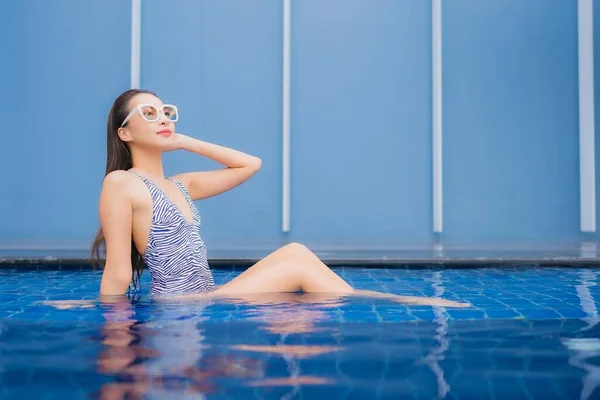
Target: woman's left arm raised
{"x":239,"y":167}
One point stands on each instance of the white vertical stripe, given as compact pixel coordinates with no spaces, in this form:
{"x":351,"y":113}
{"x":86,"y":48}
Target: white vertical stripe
{"x":136,"y":39}
{"x":286,"y":116}
{"x":438,"y":354}
{"x":587,"y":172}
{"x":436,"y":34}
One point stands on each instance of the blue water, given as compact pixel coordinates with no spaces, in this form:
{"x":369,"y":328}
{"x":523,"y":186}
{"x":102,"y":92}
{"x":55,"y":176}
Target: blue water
{"x":532,"y":333}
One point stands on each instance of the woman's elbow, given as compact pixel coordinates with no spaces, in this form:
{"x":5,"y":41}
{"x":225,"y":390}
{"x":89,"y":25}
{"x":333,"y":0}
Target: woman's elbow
{"x":114,"y":284}
{"x":255,"y":164}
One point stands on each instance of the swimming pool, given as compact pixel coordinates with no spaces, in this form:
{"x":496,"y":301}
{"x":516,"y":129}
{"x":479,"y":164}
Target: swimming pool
{"x":532,"y":333}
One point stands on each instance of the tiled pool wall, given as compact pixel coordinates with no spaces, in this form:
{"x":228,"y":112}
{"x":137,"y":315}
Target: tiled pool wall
{"x":517,"y":292}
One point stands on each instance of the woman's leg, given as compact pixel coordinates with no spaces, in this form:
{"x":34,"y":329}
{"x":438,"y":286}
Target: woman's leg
{"x":295,"y":253}
{"x":293,"y":269}
{"x":290,"y":274}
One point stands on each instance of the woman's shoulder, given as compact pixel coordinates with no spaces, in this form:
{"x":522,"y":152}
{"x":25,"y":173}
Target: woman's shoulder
{"x":119,"y":183}
{"x":118,"y":178}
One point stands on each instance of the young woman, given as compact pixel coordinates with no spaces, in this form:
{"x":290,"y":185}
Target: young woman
{"x":147,"y":219}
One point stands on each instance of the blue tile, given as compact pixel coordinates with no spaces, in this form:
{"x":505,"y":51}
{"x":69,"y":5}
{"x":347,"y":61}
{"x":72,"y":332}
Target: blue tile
{"x":495,"y":293}
{"x":466,"y":314}
{"x":424,"y":315}
{"x":540,"y":313}
{"x":503,"y":314}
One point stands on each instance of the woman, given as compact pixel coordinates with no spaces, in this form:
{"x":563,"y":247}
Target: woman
{"x":149,"y":219}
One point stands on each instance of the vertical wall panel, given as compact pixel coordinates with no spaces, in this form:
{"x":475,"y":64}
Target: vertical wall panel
{"x":510,"y":121}
{"x":9,"y":98}
{"x":361,"y":121}
{"x":220,"y":62}
{"x":596,"y":235}
{"x":67,"y":62}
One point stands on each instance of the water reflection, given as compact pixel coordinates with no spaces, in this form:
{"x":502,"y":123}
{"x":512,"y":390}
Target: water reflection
{"x":288,"y":314}
{"x":164,"y":355}
{"x":587,"y":279}
{"x":437,"y":353}
{"x":141,"y":351}
{"x":584,"y":350}
{"x":168,"y":353}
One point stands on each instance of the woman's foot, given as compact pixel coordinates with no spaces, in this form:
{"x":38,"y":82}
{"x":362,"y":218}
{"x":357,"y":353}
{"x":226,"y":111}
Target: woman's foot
{"x":428,"y":301}
{"x":434,"y":301}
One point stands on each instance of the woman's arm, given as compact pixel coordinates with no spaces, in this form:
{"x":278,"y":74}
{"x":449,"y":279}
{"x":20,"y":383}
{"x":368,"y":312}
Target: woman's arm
{"x":116,"y":220}
{"x":239,"y":168}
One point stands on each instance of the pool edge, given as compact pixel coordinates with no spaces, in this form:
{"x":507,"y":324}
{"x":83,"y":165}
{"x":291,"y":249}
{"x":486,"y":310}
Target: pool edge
{"x":226,"y":263}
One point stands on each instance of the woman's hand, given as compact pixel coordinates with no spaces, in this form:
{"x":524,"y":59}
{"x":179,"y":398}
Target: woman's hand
{"x":176,"y":142}
{"x":239,"y":167}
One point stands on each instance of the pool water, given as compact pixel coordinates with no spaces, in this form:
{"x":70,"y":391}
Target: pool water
{"x":532,"y":333}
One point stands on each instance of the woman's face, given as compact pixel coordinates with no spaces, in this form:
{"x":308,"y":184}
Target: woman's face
{"x":151,"y":123}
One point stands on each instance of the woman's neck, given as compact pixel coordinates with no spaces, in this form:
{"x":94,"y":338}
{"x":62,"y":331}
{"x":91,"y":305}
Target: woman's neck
{"x":148,"y":162}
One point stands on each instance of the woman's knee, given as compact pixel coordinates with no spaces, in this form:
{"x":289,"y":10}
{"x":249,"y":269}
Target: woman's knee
{"x":297,"y":248}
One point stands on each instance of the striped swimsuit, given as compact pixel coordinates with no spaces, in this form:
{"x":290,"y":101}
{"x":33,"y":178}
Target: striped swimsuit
{"x":175,"y":254}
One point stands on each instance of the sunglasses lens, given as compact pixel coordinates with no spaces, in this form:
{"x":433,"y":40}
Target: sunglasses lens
{"x":170,"y":112}
{"x":149,"y":113}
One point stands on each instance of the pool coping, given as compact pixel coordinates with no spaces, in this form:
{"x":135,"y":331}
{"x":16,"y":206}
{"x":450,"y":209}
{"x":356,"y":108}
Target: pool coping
{"x":220,"y":263}
{"x":585,"y":253}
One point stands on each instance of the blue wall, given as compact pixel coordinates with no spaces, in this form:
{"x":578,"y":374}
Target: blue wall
{"x":361,"y":84}
{"x":511,"y":138}
{"x":361,"y":115}
{"x":66,"y":61}
{"x":221,"y":63}
{"x":596,"y":235}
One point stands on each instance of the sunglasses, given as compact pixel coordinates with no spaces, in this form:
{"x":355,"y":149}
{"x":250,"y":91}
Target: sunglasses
{"x":151,"y":113}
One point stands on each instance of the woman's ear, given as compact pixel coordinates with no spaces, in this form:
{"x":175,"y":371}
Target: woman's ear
{"x":124,"y":135}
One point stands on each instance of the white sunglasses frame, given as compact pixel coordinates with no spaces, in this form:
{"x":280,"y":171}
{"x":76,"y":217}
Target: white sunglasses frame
{"x":138,"y":108}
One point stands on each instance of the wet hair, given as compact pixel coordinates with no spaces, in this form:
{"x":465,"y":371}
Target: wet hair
{"x":118,"y":157}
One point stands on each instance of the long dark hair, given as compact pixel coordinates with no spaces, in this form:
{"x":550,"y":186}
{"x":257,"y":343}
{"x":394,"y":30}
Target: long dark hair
{"x":118,"y":157}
